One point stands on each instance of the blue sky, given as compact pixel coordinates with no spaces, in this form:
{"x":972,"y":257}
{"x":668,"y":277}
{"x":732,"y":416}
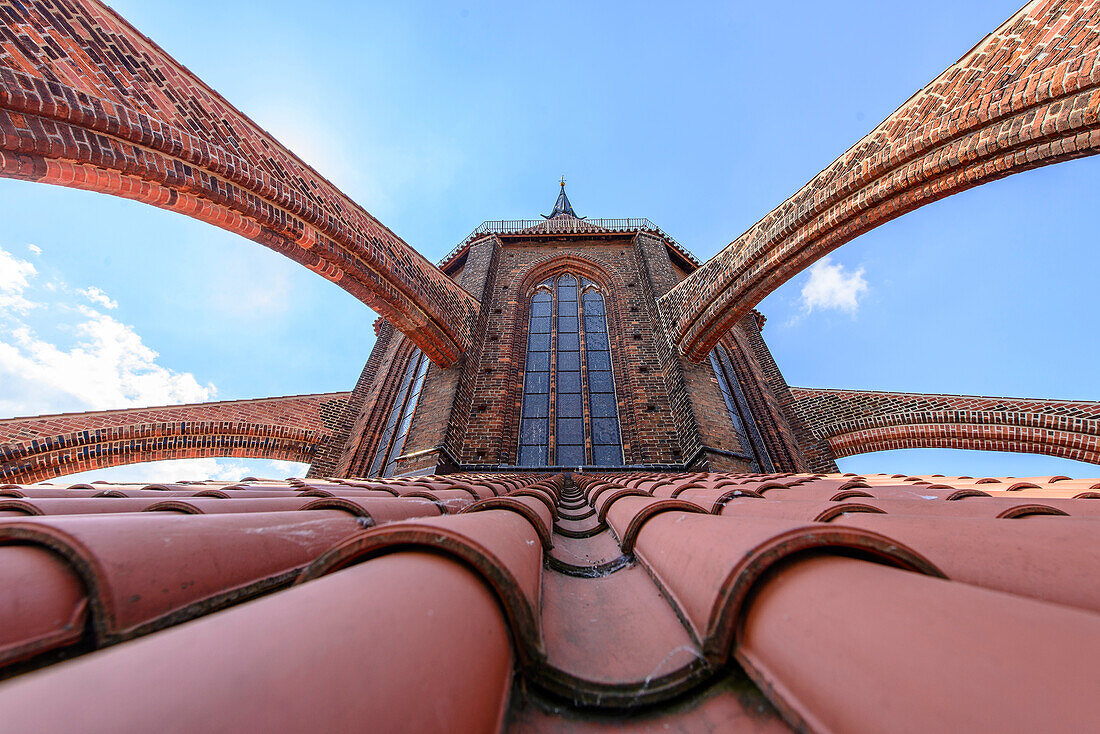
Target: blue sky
{"x":436,"y":116}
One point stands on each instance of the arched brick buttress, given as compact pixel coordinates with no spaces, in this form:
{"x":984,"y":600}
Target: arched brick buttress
{"x":87,"y":101}
{"x":286,"y":428}
{"x":861,"y":421}
{"x":1027,"y":95}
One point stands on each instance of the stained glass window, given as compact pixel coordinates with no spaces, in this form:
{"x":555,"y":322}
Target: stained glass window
{"x":534,"y":427}
{"x":607,"y":446}
{"x":569,"y":413}
{"x":392,"y":442}
{"x":744,"y":425}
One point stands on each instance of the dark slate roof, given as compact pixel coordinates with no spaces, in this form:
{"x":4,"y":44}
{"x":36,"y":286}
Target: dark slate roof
{"x":562,"y":206}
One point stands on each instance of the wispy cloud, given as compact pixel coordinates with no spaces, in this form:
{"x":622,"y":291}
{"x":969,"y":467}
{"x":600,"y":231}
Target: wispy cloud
{"x":95,"y":295}
{"x":830,"y":286}
{"x":93,"y":362}
{"x":15,"y":277}
{"x":35,"y":249}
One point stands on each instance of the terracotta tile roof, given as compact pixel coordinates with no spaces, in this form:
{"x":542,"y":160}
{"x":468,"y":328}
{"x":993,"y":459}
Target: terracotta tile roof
{"x":527,"y":602}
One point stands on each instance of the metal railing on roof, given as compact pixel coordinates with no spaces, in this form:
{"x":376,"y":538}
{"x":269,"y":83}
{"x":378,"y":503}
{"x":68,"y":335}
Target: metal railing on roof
{"x":564,"y":225}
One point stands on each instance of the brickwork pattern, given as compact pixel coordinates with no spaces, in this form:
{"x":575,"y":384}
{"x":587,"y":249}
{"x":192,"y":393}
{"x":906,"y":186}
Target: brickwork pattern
{"x":764,"y":402}
{"x":332,"y":449}
{"x":857,"y":421}
{"x":807,"y":452}
{"x":88,"y":102}
{"x":394,"y":352}
{"x":1026,"y":96}
{"x":286,"y":428}
{"x":446,"y":402}
{"x":658,"y":277}
{"x":645,"y":415}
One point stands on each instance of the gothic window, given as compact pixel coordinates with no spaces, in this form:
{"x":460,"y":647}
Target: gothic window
{"x":394,"y":434}
{"x":752,"y":443}
{"x":569,"y":414}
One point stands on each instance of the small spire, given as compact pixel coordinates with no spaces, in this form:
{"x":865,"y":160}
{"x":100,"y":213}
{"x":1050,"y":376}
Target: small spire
{"x":562,"y":205}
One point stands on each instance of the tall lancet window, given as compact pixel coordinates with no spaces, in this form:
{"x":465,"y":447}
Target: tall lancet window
{"x":400,"y":418}
{"x":752,"y":443}
{"x":570,"y":416}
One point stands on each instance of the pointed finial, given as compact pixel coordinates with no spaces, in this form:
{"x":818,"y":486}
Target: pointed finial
{"x":562,"y":205}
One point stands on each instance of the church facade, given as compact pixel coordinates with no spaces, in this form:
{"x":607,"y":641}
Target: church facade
{"x":570,"y":368}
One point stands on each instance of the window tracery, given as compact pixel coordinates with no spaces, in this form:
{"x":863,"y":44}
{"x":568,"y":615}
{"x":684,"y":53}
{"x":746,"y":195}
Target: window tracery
{"x":569,"y":415}
{"x":392,"y":442}
{"x":744,"y":425}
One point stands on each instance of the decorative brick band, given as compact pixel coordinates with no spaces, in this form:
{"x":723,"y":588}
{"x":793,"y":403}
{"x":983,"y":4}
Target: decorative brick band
{"x":287,"y":428}
{"x":1026,"y":96}
{"x":88,"y":102}
{"x":859,"y":421}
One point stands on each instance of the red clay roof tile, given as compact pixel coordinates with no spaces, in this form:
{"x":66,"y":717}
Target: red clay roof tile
{"x":613,"y":640}
{"x":43,"y":605}
{"x":648,"y":581}
{"x":407,"y":642}
{"x":1048,"y":558}
{"x":845,"y":645}
{"x":147,"y":570}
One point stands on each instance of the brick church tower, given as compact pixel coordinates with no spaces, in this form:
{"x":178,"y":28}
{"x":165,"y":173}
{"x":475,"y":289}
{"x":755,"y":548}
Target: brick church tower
{"x":570,"y":368}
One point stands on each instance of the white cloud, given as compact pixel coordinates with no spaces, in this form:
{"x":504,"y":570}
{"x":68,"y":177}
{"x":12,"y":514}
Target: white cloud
{"x":95,"y":295}
{"x":286,"y":469}
{"x":831,"y":287}
{"x":15,"y":277}
{"x":104,"y":364}
{"x":35,"y":249}
{"x":172,"y":470}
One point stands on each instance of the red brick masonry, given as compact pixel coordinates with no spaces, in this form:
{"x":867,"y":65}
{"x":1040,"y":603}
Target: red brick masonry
{"x":287,"y":428}
{"x":86,"y":101}
{"x":859,"y":421}
{"x":1027,"y":95}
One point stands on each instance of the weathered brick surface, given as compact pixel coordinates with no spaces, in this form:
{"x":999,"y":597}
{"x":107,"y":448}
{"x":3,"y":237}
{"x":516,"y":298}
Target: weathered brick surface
{"x":287,"y":428}
{"x":758,"y":380}
{"x":855,"y":422}
{"x":658,"y":277}
{"x":393,"y":351}
{"x":1028,"y":95}
{"x":332,"y":449}
{"x":88,"y":102}
{"x":446,"y":399}
{"x":805,"y":452}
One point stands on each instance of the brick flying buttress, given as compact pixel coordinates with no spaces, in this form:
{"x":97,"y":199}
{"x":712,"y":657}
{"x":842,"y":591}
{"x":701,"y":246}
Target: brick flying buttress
{"x":860,"y":421}
{"x":88,"y":102}
{"x":287,"y":428}
{"x":1026,"y":96}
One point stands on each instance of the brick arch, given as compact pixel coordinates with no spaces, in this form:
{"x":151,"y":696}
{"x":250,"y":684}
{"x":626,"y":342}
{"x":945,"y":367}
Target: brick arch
{"x":861,"y":421}
{"x":286,"y":428}
{"x":610,"y":283}
{"x":88,"y":102}
{"x":1026,"y":96}
{"x":554,"y":265}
